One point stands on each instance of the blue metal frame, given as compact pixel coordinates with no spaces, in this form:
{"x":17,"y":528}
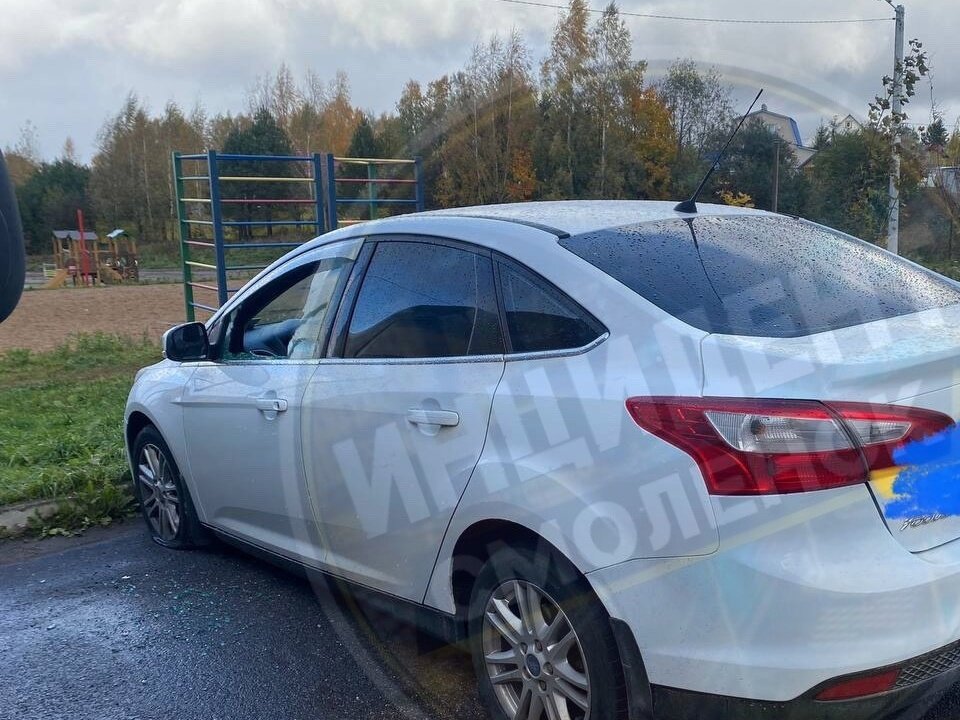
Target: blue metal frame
{"x":216,"y":214}
{"x":372,"y":199}
{"x":333,"y":221}
{"x":324,"y":201}
{"x":418,"y":174}
{"x":317,"y":161}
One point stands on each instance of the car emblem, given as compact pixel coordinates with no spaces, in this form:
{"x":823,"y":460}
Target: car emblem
{"x":921,"y":521}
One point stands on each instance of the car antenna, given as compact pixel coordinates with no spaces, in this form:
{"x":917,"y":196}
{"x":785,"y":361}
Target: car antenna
{"x":690,"y":206}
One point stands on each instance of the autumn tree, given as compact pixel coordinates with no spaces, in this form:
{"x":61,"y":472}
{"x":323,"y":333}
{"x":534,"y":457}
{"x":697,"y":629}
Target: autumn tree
{"x":23,"y":159}
{"x":263,"y":136}
{"x":650,"y":146}
{"x":700,"y":110}
{"x":490,"y":117}
{"x":69,"y":150}
{"x":614,"y":81}
{"x":49,"y":201}
{"x":277,"y":93}
{"x":565,"y":146}
{"x":849,"y":182}
{"x":129,"y":180}
{"x":754,"y":159}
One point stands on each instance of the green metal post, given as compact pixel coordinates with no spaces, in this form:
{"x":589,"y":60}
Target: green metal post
{"x":184,"y":237}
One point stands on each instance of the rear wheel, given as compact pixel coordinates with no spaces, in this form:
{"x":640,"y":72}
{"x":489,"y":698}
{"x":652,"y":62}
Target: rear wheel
{"x":541,"y":641}
{"x":164,"y":500}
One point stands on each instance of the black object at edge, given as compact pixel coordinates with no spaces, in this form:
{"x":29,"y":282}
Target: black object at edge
{"x":12,"y":260}
{"x":690,"y":206}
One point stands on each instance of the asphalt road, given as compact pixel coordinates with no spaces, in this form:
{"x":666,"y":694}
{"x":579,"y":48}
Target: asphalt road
{"x":112,"y":626}
{"x":121,"y":628}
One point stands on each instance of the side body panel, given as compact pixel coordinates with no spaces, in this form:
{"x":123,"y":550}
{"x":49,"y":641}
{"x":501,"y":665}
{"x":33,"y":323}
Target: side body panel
{"x":246,"y":460}
{"x":383,"y":487}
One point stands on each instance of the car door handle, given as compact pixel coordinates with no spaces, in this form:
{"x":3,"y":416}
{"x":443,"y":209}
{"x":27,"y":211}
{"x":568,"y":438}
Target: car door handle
{"x":276,"y":405}
{"x":446,"y":418}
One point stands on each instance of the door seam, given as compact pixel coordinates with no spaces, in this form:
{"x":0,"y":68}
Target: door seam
{"x":483,"y":447}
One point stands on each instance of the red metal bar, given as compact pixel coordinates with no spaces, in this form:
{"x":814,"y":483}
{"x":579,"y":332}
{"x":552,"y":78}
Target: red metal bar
{"x":84,"y":257}
{"x":285,"y":201}
{"x":377,"y":181}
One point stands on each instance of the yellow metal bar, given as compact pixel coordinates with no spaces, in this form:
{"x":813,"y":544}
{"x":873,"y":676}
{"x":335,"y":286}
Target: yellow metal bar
{"x":373,"y":161}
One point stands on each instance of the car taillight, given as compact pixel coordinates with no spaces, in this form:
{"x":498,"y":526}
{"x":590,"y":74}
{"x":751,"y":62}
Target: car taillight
{"x":881,"y":429}
{"x":762,"y":447}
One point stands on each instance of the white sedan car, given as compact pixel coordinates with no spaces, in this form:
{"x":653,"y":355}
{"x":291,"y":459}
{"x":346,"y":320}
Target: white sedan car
{"x":640,"y":460}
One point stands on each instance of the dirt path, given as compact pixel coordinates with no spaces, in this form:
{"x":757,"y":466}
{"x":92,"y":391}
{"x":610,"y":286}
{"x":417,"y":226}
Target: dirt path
{"x":46,"y":318}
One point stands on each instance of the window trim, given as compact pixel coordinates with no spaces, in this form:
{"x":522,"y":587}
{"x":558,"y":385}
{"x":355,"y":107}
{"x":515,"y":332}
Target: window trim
{"x":499,"y":259}
{"x":338,"y":340}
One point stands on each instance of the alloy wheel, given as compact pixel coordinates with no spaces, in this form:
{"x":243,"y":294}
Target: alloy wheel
{"x":158,"y":493}
{"x":533,"y":655}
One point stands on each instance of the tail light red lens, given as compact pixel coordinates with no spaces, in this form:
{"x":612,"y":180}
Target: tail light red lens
{"x":859,"y":687}
{"x":761,"y":447}
{"x":873,"y":426}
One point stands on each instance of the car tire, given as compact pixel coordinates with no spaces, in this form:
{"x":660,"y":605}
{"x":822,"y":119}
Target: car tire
{"x":164,"y":499}
{"x":559,"y":601}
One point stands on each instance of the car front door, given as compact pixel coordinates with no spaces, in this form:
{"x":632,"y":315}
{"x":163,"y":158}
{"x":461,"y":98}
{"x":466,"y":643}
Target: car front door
{"x":395,"y":422}
{"x":242,"y":410}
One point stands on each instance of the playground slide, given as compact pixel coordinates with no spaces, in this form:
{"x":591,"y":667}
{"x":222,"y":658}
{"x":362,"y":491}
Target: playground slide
{"x":58,"y":280}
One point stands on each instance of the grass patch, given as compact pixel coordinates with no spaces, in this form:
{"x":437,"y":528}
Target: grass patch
{"x":61,"y":426}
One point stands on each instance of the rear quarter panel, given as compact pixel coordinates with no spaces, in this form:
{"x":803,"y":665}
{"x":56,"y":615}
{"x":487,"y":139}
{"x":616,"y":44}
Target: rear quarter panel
{"x":564,"y":459}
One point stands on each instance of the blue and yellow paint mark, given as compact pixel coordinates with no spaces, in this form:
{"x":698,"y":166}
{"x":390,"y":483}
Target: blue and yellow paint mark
{"x":926,"y":479}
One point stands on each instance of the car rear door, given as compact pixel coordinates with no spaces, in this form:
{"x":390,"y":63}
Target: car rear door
{"x":242,"y":411}
{"x":394,"y":423}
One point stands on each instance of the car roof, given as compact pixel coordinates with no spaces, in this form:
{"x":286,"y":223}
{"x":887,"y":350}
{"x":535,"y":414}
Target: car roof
{"x":561,"y":218}
{"x":574,"y":217}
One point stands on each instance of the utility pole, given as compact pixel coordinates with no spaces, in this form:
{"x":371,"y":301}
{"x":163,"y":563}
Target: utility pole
{"x":776,"y":179}
{"x":893,"y":224}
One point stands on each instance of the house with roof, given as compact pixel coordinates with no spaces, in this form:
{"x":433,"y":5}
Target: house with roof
{"x":848,"y":125}
{"x":788,"y":130}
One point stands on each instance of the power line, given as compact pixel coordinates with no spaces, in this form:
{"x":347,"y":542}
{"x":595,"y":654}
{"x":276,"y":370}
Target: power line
{"x":725,"y":21}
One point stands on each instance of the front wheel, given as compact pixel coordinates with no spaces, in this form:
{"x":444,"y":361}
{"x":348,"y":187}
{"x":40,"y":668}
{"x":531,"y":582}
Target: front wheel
{"x":541,"y":641}
{"x":164,"y":500}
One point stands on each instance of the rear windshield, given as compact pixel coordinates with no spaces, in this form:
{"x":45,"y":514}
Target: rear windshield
{"x":761,"y":276}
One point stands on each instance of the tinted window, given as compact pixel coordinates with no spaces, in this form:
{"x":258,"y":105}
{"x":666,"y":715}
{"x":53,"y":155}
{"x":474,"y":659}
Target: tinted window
{"x":768,"y":277}
{"x":420,"y":300}
{"x":540,"y":318}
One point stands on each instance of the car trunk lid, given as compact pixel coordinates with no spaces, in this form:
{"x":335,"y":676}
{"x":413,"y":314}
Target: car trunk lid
{"x":911,"y":360}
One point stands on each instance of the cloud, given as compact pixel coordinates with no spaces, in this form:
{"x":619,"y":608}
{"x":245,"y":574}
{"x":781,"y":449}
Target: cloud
{"x":87,"y":54}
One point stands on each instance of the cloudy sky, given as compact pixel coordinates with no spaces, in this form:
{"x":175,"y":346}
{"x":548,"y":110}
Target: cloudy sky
{"x":65,"y":65}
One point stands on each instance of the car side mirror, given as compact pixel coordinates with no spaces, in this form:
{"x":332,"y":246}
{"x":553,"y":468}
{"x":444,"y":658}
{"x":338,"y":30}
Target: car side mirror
{"x":186,"y":343}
